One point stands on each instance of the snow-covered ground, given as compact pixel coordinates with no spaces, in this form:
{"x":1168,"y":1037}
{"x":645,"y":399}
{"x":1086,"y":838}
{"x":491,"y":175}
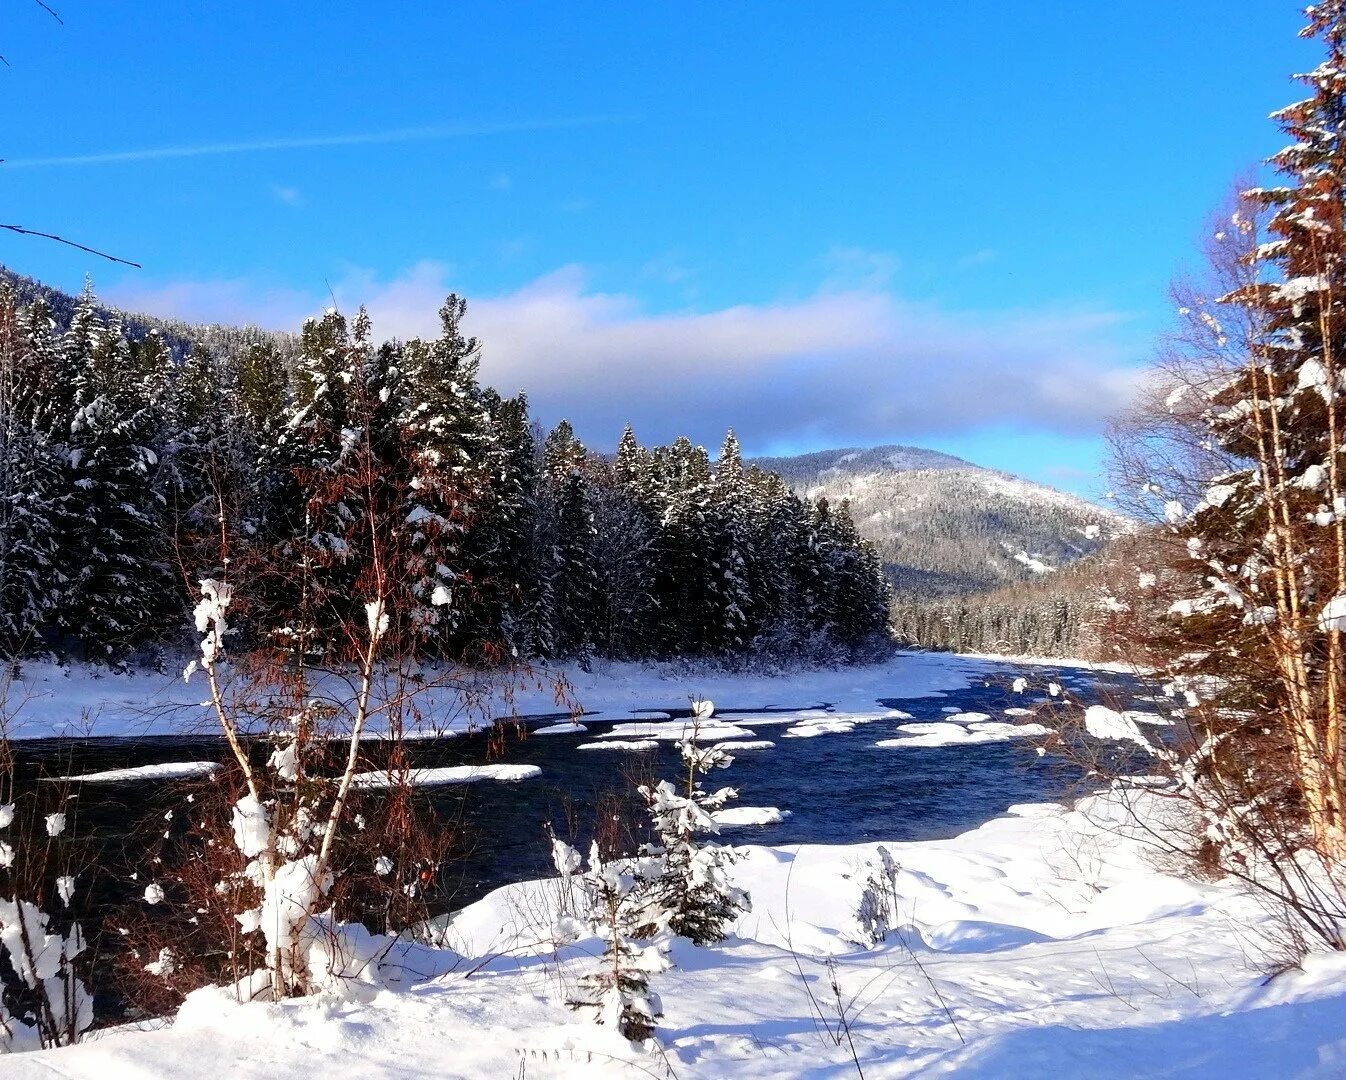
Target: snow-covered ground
{"x":52,"y":701}
{"x":1043,"y":944}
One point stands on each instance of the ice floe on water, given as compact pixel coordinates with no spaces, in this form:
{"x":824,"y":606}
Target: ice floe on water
{"x":677,"y":730}
{"x":168,"y":770}
{"x":749,"y":815}
{"x":950,"y":734}
{"x":450,"y":774}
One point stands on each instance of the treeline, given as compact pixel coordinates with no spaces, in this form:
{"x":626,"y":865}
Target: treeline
{"x":1043,"y":625}
{"x":304,"y":469}
{"x":1057,"y":615}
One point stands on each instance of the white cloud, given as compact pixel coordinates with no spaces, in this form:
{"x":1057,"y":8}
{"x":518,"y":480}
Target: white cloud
{"x":290,"y":196}
{"x":842,"y":365}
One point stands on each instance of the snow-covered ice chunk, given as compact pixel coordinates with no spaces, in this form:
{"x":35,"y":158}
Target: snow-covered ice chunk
{"x":813,"y":728}
{"x":168,"y":770}
{"x":449,"y":774}
{"x":947,"y":734}
{"x":677,"y":730}
{"x":749,"y":815}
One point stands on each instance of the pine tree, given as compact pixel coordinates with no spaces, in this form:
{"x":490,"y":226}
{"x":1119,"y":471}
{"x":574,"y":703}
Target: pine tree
{"x":732,"y":558}
{"x":575,"y":578}
{"x":511,"y":548}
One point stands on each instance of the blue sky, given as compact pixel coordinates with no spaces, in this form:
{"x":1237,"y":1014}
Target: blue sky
{"x":852,"y":223}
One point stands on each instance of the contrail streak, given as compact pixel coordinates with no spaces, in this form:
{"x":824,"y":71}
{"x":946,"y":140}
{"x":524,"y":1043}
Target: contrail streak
{"x":400,"y":135}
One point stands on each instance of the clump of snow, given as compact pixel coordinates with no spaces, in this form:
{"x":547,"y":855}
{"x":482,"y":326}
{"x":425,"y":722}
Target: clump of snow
{"x":288,"y":898}
{"x":252,"y":826}
{"x":632,"y":745}
{"x":1104,"y":723}
{"x":165,"y":965}
{"x":1333,"y":615}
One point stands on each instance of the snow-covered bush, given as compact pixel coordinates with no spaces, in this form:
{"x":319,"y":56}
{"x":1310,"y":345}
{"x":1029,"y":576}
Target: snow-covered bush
{"x":44,"y":997}
{"x":876,"y":909}
{"x":294,"y":822}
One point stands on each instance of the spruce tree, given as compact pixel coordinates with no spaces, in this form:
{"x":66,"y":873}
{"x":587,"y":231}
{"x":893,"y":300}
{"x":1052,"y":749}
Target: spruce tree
{"x":446,"y":437}
{"x":33,"y":491}
{"x":116,"y":549}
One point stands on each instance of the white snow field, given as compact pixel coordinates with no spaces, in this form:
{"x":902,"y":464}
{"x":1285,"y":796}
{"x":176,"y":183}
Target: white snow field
{"x":1044,"y":944}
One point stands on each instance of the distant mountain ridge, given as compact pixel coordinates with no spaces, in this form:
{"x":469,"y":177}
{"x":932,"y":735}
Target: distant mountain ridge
{"x":178,"y":335}
{"x":944,"y":526}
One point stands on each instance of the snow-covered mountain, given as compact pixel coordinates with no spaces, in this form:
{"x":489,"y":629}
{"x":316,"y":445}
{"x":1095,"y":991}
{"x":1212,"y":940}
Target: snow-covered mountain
{"x":944,"y":525}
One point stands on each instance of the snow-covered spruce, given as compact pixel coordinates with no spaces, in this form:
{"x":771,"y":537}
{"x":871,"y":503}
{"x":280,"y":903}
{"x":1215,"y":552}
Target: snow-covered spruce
{"x":692,"y":895}
{"x":617,"y":992}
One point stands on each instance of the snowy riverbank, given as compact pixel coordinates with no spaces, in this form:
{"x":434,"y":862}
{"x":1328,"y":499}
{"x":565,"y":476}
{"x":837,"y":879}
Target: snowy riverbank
{"x":1043,"y":944}
{"x":48,"y":700}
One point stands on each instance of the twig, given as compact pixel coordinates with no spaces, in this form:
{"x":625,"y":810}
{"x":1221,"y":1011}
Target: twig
{"x":69,"y":243}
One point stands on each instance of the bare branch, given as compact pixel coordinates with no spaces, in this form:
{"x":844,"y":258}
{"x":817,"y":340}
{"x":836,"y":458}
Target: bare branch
{"x":50,"y":11}
{"x":70,"y":243}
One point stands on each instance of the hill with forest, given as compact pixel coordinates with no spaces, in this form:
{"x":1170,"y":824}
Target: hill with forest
{"x":946,"y":527}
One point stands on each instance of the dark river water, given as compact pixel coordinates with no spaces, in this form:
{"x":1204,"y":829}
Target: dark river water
{"x":838,"y":787}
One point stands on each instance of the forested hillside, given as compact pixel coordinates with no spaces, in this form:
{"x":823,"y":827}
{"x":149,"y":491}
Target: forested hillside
{"x":945,"y":527}
{"x":141,"y":457}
